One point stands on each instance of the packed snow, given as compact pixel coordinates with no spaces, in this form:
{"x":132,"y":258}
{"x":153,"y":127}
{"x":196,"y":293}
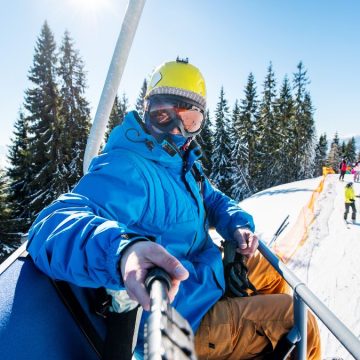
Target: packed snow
{"x":328,"y":261}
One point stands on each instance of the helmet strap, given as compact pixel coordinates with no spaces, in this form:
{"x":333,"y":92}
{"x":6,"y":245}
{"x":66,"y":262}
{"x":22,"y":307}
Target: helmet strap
{"x":185,"y":147}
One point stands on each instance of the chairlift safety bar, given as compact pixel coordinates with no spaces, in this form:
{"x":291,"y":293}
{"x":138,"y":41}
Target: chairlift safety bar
{"x":303,"y":295}
{"x":113,"y":78}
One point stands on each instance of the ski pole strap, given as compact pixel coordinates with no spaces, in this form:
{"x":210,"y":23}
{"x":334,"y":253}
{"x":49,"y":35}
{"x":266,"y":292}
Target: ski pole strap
{"x":167,"y":334}
{"x":101,"y":303}
{"x":236,"y":272}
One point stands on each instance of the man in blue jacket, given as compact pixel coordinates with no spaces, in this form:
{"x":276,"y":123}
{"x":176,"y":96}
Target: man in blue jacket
{"x":145,"y":202}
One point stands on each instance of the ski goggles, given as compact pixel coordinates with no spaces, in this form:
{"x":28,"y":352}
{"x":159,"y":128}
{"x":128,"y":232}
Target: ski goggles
{"x":168,"y":113}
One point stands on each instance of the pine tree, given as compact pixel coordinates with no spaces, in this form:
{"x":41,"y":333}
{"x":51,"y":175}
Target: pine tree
{"x":113,"y":118}
{"x":309,"y":144}
{"x":239,"y":160}
{"x":304,"y":131}
{"x":74,"y":111}
{"x":123,"y":107}
{"x":139,"y":106}
{"x":221,"y":169}
{"x":18,"y":175}
{"x":205,"y":140}
{"x":4,"y":209}
{"x":10,"y":238}
{"x":118,"y":112}
{"x":334,"y":156}
{"x":343,"y":150}
{"x":48,"y":170}
{"x":285,"y":120}
{"x":350,"y":151}
{"x":248,"y":118}
{"x":267,"y":139}
{"x":6,"y":243}
{"x":320,"y":157}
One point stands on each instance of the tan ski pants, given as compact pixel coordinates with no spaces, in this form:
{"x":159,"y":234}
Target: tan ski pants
{"x":246,"y":327}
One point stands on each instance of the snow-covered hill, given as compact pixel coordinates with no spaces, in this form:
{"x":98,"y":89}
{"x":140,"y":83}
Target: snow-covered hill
{"x":328,"y":261}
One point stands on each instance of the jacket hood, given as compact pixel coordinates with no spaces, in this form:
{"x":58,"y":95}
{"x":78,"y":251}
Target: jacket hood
{"x":133,"y":135}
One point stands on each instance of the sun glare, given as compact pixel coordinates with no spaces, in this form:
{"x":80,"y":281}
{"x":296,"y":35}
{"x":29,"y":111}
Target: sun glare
{"x":89,"y":6}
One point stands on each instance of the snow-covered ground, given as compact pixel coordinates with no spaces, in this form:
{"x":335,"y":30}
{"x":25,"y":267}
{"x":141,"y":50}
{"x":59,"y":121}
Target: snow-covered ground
{"x":328,"y":261}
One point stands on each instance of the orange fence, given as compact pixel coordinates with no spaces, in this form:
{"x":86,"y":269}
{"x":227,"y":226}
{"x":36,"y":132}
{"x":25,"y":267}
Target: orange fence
{"x":327,"y":170}
{"x":287,"y":246}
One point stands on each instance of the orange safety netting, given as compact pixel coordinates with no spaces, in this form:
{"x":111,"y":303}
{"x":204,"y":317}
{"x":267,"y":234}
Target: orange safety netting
{"x":288,"y":245}
{"x":327,"y":170}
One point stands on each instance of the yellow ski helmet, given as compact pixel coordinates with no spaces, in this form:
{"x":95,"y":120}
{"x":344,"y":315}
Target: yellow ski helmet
{"x":178,"y":78}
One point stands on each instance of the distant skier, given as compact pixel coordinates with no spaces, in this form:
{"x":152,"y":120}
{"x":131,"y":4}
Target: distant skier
{"x":343,"y":168}
{"x":350,"y":201}
{"x":356,"y":171}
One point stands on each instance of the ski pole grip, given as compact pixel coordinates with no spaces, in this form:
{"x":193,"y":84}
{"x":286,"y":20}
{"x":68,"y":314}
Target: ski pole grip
{"x":159,"y":274}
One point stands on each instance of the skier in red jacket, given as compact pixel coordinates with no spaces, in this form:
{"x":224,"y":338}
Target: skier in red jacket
{"x":343,"y":168}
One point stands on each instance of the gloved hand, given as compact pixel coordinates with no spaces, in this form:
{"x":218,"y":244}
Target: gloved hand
{"x":235,"y":257}
{"x":352,"y":200}
{"x":235,"y":271}
{"x":135,"y":262}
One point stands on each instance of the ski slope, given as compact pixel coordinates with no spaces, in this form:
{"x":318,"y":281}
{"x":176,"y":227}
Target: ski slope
{"x":328,"y":261}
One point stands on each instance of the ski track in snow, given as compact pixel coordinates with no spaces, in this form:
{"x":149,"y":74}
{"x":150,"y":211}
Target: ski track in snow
{"x":329,"y":263}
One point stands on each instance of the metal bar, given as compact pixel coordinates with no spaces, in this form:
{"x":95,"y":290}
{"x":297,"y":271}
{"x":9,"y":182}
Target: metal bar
{"x":116,"y":69}
{"x":335,"y":326}
{"x":13,"y":257}
{"x":300,"y":319}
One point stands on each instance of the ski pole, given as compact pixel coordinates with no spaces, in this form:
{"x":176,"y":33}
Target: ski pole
{"x":280,"y":229}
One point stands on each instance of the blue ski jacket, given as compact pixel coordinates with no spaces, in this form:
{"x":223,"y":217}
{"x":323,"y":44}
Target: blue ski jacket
{"x":138,"y":188}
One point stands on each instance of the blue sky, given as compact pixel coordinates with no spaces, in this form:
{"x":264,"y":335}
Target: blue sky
{"x":226,"y":39}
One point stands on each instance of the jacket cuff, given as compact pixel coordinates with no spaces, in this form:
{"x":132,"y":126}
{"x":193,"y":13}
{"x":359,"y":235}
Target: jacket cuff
{"x":118,"y":248}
